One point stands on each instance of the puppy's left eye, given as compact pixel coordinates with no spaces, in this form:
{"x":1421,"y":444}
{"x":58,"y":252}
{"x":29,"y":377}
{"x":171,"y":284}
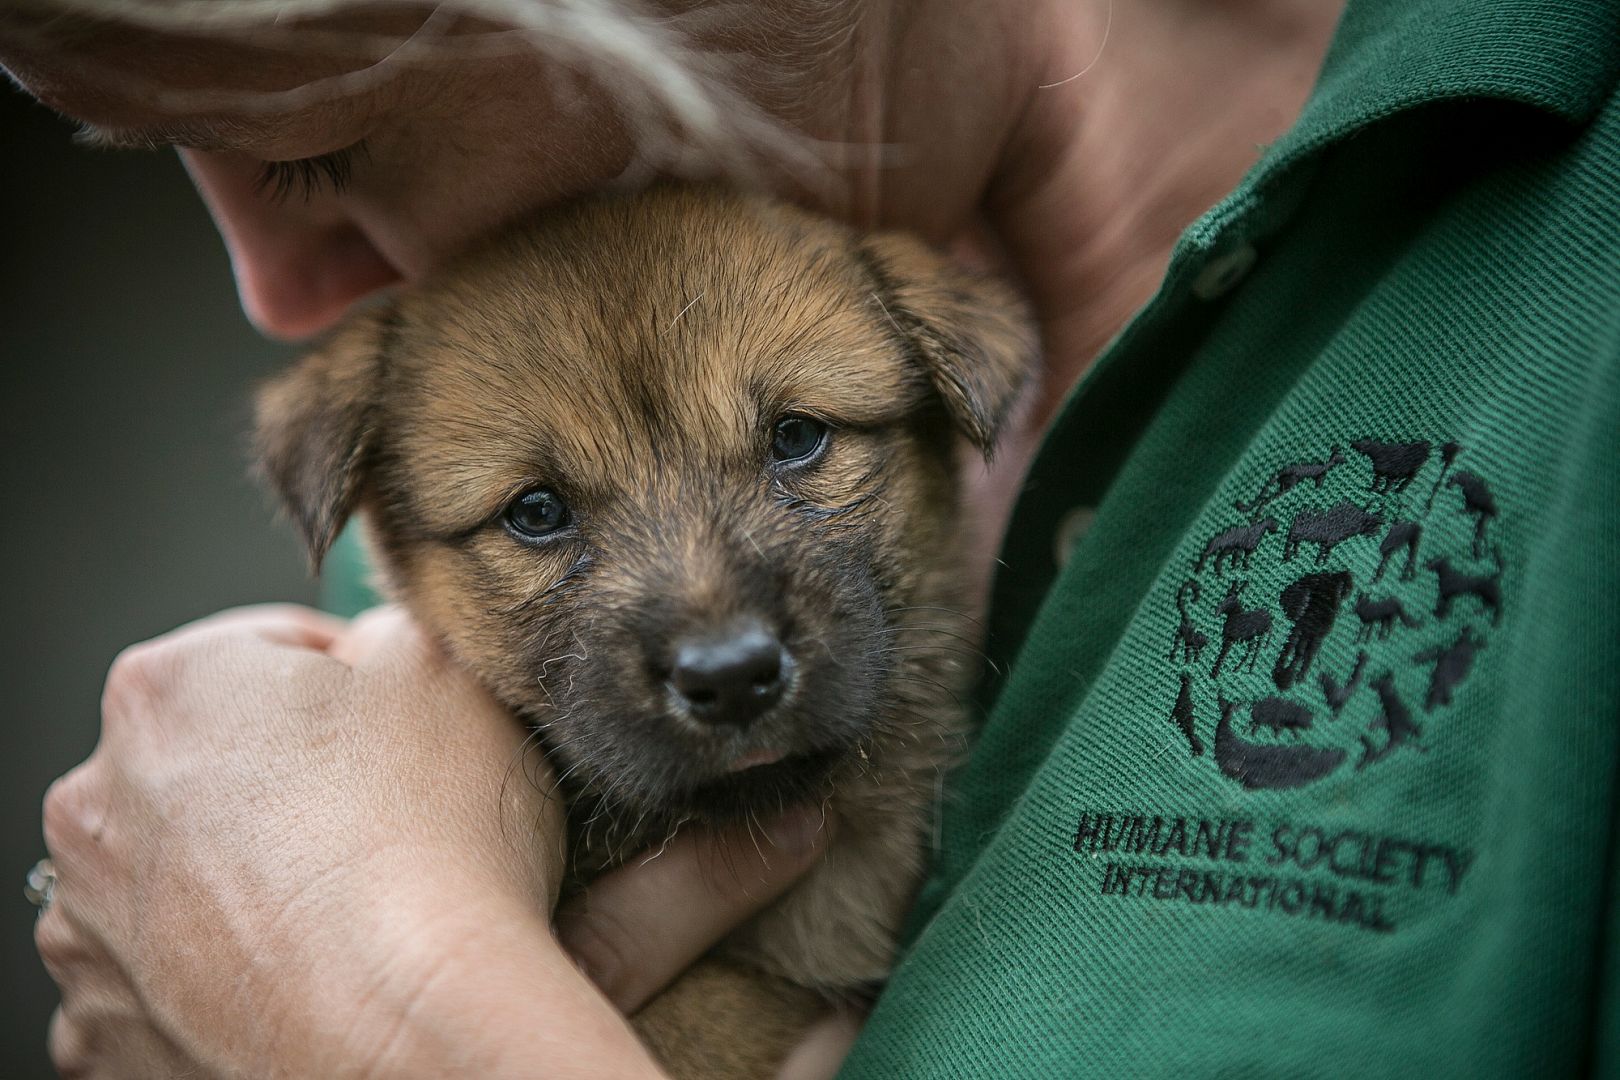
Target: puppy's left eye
{"x":797,"y":438}
{"x":535,"y":513}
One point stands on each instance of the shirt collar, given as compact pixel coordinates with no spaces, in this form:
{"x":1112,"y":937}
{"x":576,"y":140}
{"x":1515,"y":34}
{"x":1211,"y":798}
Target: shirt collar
{"x":1560,"y":57}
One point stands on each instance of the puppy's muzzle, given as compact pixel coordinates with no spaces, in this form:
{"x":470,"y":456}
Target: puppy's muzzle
{"x":730,"y":676}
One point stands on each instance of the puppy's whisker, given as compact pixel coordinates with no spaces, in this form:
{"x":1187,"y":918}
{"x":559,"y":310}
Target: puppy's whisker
{"x":669,"y":836}
{"x":940,"y":651}
{"x":683,"y":311}
{"x":935,"y":683}
{"x":926,"y":628}
{"x":832,"y":657}
{"x":749,"y":821}
{"x":749,"y":536}
{"x":966,"y":645}
{"x":934,"y":607}
{"x":545,"y":665}
{"x":549,"y":593}
{"x":519,"y":756}
{"x":557,"y":784}
{"x":635,"y":830}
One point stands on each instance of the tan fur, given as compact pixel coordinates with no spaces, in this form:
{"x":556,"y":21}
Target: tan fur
{"x":693,"y":1027}
{"x":634,"y":354}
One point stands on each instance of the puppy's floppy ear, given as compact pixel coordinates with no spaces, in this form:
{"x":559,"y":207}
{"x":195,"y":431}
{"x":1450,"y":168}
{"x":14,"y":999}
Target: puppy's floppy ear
{"x":973,"y":334}
{"x":315,"y":428}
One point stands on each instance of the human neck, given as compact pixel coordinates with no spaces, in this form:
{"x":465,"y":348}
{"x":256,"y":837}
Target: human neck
{"x":1142,"y":118}
{"x":1082,"y":136}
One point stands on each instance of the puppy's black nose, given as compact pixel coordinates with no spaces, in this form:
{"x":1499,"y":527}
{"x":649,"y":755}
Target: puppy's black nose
{"x":729,"y":677}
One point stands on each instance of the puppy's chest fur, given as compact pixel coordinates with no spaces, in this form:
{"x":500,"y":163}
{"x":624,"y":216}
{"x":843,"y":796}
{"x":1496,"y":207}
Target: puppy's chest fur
{"x":676,"y":477}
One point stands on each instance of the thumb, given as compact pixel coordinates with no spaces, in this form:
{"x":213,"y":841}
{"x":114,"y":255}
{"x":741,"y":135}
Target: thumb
{"x":637,"y":928}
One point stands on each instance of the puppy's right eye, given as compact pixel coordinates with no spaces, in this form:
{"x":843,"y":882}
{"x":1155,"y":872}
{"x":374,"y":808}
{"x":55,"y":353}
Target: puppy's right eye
{"x":536,"y":513}
{"x":796,"y":439}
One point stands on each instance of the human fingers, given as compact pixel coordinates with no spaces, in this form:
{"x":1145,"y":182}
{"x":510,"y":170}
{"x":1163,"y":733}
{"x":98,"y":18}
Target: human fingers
{"x":102,"y":1027}
{"x":382,"y":632}
{"x":111,"y":1038}
{"x":449,"y":731}
{"x":637,"y":928}
{"x":821,"y":1053}
{"x":242,"y":801}
{"x":75,"y":813}
{"x":153,"y":669}
{"x":282,"y":624}
{"x":218,"y":681}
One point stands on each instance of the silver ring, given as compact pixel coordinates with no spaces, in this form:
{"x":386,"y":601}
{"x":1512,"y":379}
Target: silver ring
{"x":41,"y":884}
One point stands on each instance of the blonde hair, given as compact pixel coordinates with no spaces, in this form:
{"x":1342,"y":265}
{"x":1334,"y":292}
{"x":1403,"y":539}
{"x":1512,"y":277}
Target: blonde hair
{"x":684,"y":104}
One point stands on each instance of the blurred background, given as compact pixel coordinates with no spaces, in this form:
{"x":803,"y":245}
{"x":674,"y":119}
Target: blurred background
{"x":126,"y":369}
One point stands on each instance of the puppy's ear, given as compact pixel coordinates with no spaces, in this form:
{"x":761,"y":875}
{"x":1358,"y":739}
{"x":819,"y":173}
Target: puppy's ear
{"x":973,"y":334}
{"x":315,"y":428}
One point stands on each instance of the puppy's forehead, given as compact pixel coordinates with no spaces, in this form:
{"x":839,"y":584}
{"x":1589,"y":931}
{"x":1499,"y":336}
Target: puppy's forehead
{"x":613,"y":341}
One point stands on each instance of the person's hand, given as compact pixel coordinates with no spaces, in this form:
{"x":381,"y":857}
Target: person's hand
{"x":638,"y":927}
{"x":284,"y":823}
{"x":302,"y":848}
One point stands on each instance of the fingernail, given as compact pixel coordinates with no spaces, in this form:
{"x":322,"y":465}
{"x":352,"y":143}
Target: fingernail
{"x":801,"y":829}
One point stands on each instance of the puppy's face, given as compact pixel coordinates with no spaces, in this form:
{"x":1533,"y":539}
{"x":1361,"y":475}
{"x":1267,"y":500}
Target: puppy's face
{"x":672,"y":475}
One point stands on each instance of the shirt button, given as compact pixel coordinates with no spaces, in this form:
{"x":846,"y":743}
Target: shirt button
{"x":1222,"y":273}
{"x":1069,"y":531}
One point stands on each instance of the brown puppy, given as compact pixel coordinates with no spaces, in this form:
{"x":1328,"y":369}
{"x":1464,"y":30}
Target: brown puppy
{"x":675,"y":475}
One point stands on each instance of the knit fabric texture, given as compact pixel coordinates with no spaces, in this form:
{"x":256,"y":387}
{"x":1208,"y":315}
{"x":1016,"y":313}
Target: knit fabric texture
{"x":1305,"y":762}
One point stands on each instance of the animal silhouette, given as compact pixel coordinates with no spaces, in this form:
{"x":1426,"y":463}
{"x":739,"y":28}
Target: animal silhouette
{"x":1266,"y":765}
{"x":1312,"y":603}
{"x":1379,"y":617}
{"x":1394,"y":719}
{"x":1477,"y":501}
{"x":1285,"y":478}
{"x":1448,"y":456}
{"x":1189,"y":639}
{"x":1249,"y":627}
{"x":1394,"y":464}
{"x":1454,"y":583}
{"x":1235,"y":545}
{"x":1337,"y":695}
{"x":1278,"y":715}
{"x":1329,"y":528}
{"x":1401,"y":534}
{"x":1451,"y":666}
{"x":1182,"y":714}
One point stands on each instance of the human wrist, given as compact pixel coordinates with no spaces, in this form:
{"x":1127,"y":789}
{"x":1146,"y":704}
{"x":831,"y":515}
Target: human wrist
{"x":481,"y":988}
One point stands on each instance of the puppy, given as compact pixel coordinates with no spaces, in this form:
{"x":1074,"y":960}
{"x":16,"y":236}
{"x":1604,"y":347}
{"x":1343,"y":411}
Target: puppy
{"x":676,"y":476}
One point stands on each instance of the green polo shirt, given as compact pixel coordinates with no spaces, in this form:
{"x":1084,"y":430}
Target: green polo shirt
{"x":1305,"y":764}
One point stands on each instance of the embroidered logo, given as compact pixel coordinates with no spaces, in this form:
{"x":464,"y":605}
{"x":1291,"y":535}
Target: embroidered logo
{"x":1336,"y":874}
{"x":1329,"y":623}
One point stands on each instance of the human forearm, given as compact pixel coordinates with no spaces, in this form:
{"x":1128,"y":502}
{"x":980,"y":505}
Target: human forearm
{"x":484,"y":990}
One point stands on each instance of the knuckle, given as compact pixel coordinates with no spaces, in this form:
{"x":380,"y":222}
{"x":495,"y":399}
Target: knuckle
{"x":740,"y":881}
{"x":745,"y":870}
{"x":70,"y":813}
{"x":136,"y":676}
{"x":597,"y":944}
{"x":398,"y":624}
{"x":271,"y":617}
{"x":66,"y":1045}
{"x":279,"y":611}
{"x":382,"y":619}
{"x":55,"y":943}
